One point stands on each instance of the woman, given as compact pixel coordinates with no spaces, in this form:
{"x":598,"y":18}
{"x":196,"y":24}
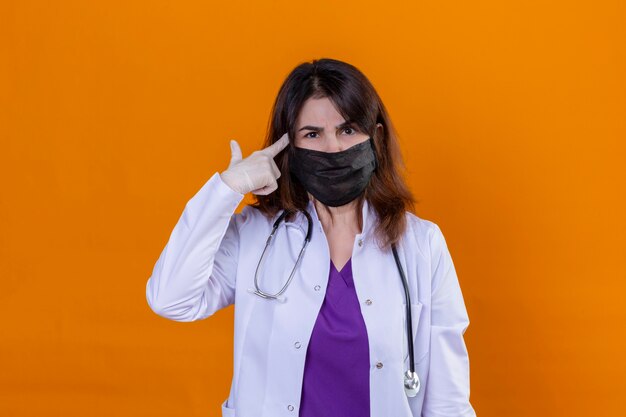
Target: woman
{"x":321,"y":313}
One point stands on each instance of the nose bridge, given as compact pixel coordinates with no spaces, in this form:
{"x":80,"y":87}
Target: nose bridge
{"x":332,"y":142}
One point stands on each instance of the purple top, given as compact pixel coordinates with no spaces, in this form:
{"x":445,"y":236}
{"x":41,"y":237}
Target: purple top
{"x":337,"y":370}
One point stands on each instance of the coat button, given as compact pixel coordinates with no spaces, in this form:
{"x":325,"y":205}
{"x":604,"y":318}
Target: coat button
{"x":297,"y":345}
{"x":368,"y":302}
{"x":290,"y":407}
{"x":379,"y":365}
{"x":317,"y":288}
{"x":360,"y":242}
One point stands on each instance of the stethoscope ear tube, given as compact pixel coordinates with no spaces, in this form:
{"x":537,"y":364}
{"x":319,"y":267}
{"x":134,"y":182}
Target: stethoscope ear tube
{"x":279,"y":295}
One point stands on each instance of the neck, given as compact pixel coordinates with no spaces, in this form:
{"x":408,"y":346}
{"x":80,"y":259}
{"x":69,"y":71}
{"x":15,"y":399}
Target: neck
{"x":344,"y":217}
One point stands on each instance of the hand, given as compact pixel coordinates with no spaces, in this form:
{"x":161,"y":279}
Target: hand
{"x":256,"y":173}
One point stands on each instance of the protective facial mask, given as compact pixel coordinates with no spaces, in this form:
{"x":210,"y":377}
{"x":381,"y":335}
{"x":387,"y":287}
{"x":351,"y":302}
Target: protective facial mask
{"x":335,"y":178}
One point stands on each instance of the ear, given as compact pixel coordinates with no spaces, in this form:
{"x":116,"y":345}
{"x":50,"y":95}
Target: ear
{"x":379,"y":129}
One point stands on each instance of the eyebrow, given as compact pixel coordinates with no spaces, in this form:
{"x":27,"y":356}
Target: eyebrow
{"x":321,"y":129}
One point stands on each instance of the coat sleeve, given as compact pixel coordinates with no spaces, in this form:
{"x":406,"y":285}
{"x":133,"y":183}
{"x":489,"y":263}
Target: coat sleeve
{"x":448,"y":386}
{"x":194,"y":275}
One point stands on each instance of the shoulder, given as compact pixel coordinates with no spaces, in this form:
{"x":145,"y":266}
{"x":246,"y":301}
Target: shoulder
{"x":425,"y":234}
{"x":250,"y":216}
{"x":431,"y":245}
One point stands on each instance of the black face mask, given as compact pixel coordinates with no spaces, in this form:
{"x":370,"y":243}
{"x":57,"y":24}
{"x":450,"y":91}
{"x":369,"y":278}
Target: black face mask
{"x":335,"y":178}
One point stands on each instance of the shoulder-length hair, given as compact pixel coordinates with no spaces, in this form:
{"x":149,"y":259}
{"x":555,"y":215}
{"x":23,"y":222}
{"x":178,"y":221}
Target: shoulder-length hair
{"x":355,"y":99}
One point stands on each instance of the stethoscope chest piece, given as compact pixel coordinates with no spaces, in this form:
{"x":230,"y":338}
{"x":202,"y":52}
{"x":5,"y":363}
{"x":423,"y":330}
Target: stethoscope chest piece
{"x":411,"y":383}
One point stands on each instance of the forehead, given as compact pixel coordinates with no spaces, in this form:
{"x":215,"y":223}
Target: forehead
{"x":319,"y":111}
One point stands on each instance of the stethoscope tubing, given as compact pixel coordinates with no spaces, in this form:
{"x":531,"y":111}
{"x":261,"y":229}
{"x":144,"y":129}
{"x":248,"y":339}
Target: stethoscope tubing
{"x":411,"y":380}
{"x":407,"y":296}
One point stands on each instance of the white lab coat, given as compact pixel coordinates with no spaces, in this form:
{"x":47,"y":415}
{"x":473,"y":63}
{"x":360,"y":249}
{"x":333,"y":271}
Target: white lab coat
{"x":209,"y":263}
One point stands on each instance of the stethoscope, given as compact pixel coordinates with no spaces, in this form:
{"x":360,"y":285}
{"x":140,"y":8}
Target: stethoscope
{"x":411,"y":380}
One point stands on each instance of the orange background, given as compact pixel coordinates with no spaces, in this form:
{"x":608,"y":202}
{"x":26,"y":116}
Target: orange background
{"x":114,"y":113}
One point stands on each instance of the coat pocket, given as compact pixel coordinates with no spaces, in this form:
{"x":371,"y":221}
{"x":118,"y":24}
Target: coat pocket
{"x":419,"y":350}
{"x":227,"y":411}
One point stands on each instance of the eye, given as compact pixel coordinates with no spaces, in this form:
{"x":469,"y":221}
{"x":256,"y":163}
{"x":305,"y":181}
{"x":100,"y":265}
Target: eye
{"x":350,"y":129}
{"x":307,"y":135}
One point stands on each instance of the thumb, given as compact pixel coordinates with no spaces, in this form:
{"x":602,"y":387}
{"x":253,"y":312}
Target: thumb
{"x":235,"y":151}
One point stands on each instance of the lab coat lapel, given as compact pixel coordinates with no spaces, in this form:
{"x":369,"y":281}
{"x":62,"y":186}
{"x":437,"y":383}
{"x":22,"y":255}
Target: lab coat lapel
{"x":380,"y":293}
{"x":292,"y":321}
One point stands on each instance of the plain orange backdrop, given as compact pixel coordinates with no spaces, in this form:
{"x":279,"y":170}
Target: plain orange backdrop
{"x":511,"y":116}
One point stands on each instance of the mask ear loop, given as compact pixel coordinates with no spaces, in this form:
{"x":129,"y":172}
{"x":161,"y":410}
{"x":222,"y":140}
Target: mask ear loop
{"x":376,"y":164}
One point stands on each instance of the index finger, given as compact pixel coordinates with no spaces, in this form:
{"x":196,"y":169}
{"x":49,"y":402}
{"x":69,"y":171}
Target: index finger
{"x":277,"y":146}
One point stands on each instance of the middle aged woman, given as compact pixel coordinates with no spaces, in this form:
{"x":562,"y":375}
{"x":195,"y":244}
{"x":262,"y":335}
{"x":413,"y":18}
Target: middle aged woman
{"x":322,"y":331}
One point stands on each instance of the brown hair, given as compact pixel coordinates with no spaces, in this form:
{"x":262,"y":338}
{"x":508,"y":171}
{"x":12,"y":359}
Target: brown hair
{"x":356,"y":99}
